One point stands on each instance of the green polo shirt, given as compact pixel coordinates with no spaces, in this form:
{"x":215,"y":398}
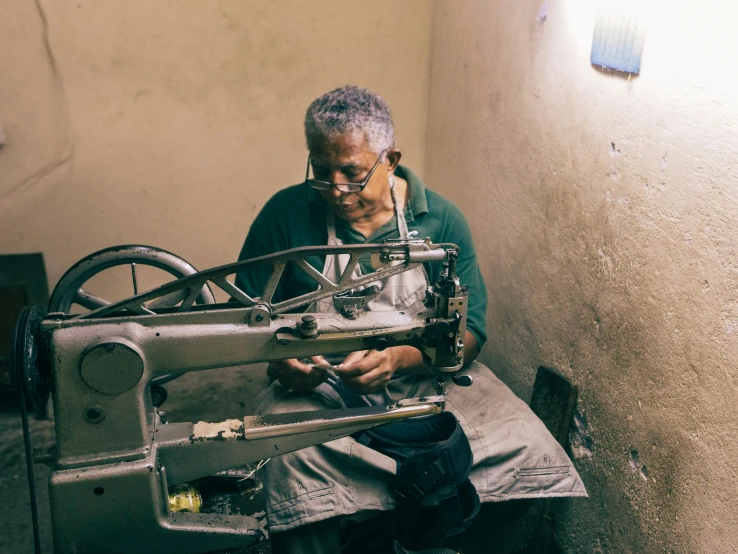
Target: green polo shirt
{"x":296,"y":216}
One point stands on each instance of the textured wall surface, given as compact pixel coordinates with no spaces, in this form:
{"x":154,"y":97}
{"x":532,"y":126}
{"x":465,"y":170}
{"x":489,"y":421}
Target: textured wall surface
{"x":171,"y":123}
{"x":605,"y":212}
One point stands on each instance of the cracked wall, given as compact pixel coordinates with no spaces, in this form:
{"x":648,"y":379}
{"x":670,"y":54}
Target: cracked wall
{"x":171,"y":123}
{"x":605,"y":213}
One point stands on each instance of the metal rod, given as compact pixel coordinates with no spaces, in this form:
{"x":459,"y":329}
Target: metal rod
{"x":29,"y":469}
{"x":284,"y":429}
{"x":89,"y":301}
{"x":135,"y":279}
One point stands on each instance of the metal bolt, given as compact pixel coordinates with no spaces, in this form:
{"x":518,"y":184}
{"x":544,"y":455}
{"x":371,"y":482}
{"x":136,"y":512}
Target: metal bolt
{"x":308,"y":327}
{"x":259,"y":317}
{"x":158,"y":395}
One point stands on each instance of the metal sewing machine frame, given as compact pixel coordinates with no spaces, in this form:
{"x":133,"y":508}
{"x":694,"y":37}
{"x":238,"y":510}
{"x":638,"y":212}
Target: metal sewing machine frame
{"x":115,"y":460}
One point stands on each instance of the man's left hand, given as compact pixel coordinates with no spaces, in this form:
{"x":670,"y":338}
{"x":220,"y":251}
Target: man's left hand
{"x":367,"y":371}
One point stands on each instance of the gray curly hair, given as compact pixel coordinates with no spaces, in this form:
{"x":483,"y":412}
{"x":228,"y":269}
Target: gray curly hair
{"x":351,"y":109}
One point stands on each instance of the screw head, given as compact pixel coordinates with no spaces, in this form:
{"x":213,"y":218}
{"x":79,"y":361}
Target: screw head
{"x":309,"y":327}
{"x":308,"y":323}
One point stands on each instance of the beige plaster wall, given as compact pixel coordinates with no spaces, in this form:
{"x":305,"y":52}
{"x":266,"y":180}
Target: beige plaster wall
{"x":170,"y":123}
{"x":605,"y":212}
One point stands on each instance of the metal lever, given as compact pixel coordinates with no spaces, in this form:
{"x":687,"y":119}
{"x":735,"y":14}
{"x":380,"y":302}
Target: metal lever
{"x":462,"y":380}
{"x":351,"y":302}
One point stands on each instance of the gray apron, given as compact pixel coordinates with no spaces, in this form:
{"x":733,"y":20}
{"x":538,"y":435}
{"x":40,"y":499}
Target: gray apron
{"x":514,"y":454}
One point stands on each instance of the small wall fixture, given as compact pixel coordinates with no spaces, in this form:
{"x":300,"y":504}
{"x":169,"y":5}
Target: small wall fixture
{"x":619,"y":36}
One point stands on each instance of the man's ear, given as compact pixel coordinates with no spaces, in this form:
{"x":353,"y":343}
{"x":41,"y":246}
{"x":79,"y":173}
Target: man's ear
{"x":393,"y":157}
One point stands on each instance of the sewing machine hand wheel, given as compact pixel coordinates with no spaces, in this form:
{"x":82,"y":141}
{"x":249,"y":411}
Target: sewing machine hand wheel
{"x":29,"y":364}
{"x":69,"y":291}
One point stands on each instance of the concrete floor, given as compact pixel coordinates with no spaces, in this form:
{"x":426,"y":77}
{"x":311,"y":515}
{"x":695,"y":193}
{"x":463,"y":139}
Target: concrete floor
{"x":207,"y":395}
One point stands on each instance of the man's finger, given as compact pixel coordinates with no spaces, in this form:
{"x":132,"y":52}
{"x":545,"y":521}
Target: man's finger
{"x":372,"y":360}
{"x":293,"y":367}
{"x":319,"y":373}
{"x":372,"y":381}
{"x":352,"y":358}
{"x":298,"y":376}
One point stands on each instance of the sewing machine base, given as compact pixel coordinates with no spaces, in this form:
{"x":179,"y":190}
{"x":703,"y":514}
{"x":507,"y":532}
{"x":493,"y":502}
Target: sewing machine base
{"x":123,"y":506}
{"x":135,"y":500}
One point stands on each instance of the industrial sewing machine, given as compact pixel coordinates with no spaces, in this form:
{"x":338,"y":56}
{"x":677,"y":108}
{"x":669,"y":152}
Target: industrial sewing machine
{"x":115,"y":460}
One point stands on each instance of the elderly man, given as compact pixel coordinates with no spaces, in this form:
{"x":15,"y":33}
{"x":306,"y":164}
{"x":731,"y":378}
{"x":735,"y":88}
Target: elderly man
{"x":356,"y":192}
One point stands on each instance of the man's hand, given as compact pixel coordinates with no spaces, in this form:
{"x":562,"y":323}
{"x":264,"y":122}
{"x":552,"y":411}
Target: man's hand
{"x":298,"y":376}
{"x":367,"y":371}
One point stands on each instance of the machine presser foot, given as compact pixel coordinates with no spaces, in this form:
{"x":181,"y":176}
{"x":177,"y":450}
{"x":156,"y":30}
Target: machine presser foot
{"x":459,"y":379}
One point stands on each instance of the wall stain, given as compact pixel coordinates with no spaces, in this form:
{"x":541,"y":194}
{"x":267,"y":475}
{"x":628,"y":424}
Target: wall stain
{"x":65,"y":153}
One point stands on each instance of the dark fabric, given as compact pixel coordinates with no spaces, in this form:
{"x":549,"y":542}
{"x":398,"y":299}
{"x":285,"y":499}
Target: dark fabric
{"x":433,"y":460}
{"x":296,"y":216}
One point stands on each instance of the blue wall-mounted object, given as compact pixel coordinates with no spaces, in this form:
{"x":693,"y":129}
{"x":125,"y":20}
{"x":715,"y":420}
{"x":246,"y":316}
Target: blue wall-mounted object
{"x":618,"y":40}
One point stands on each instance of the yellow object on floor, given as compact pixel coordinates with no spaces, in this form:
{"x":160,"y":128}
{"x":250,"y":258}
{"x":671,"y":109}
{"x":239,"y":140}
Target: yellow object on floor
{"x":185,"y":498}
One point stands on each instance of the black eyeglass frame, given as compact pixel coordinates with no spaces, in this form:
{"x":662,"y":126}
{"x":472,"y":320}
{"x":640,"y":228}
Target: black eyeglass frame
{"x":317,"y":184}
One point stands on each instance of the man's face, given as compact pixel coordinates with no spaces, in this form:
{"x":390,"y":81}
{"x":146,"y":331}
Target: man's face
{"x":348,"y":158}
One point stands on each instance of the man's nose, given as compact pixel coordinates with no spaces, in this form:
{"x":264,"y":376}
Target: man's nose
{"x":336,"y":177}
{"x":334,"y":192}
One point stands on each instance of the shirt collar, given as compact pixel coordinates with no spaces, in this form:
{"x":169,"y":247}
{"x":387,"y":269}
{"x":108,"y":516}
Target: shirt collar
{"x":417,"y":205}
{"x":418,"y":202}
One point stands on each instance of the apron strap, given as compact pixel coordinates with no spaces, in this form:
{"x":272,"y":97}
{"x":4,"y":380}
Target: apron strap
{"x":330,"y":223}
{"x":399,"y":211}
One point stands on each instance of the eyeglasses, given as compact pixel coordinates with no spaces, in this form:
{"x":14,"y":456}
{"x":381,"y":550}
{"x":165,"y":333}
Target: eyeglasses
{"x":343,"y":187}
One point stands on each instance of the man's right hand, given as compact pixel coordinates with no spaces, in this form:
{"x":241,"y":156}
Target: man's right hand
{"x":298,"y":376}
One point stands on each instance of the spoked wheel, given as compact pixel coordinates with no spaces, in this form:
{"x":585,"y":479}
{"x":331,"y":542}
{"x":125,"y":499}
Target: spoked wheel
{"x":69,"y":291}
